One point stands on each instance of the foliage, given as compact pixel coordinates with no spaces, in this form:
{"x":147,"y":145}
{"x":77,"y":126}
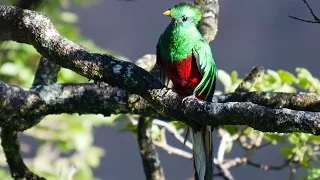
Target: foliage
{"x":300,"y":147}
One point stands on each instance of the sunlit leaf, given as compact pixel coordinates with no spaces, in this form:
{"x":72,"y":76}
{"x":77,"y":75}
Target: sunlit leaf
{"x":224,"y":78}
{"x":286,"y":76}
{"x":286,"y":151}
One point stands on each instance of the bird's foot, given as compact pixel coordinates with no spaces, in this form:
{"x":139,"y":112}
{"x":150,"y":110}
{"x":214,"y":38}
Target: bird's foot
{"x":188,"y":97}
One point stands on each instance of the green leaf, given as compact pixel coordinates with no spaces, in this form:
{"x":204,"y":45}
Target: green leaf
{"x":286,"y":152}
{"x":224,"y":78}
{"x":314,"y":139}
{"x":304,"y":83}
{"x":179,"y":126}
{"x":234,"y":76}
{"x":306,"y":162}
{"x":293,"y":139}
{"x":303,"y":137}
{"x":82,"y":140}
{"x":94,"y":155}
{"x":274,"y":137}
{"x":274,"y":76}
{"x":229,"y":145}
{"x":65,"y":146}
{"x":84,"y":172}
{"x":270,"y":82}
{"x":286,"y":76}
{"x":155,"y":132}
{"x":66,"y":75}
{"x":232,"y":129}
{"x":303,"y":73}
{"x":313,"y":173}
{"x":68,"y":17}
{"x":129,"y":127}
{"x":305,"y":79}
{"x":248,"y":130}
{"x":298,"y":152}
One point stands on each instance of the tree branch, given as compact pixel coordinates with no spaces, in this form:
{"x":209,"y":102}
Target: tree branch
{"x":248,"y":82}
{"x":47,"y":73}
{"x":101,"y":98}
{"x":11,"y":146}
{"x":35,"y":28}
{"x":150,"y":160}
{"x":104,"y":99}
{"x":316,"y":19}
{"x":299,"y":101}
{"x":208,"y":25}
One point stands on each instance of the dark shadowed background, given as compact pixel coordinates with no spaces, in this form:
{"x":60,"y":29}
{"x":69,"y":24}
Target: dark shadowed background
{"x":251,"y":32}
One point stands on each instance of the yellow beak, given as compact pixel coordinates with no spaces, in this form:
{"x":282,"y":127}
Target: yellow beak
{"x":167,"y":13}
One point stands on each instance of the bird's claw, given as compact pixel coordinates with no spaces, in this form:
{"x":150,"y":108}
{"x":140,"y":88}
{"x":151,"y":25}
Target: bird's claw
{"x":188,"y":97}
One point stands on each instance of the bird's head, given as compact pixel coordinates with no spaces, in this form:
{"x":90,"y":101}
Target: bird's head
{"x":184,"y":14}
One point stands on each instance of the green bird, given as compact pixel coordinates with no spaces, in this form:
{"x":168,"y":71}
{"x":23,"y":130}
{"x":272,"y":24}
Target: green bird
{"x":185,"y":58}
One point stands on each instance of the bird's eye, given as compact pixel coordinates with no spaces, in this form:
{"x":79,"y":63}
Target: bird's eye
{"x":184,"y":19}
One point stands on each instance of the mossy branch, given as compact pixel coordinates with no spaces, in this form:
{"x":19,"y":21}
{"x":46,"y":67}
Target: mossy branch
{"x":36,"y":29}
{"x":150,"y":159}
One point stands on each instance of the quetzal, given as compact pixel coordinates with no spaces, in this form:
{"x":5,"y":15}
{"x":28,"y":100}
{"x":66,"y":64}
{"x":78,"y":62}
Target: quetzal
{"x":185,"y":58}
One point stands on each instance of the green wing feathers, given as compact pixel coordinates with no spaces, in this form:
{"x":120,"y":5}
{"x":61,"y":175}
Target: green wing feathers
{"x":207,"y":67}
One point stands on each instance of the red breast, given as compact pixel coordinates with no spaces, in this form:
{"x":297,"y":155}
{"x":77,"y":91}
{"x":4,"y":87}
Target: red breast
{"x":184,"y":74}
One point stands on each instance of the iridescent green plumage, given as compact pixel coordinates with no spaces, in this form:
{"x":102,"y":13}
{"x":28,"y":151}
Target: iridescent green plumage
{"x":186,"y":59}
{"x":182,"y":39}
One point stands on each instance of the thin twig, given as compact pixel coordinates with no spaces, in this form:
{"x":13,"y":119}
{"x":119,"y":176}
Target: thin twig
{"x":269,"y":167}
{"x":293,"y":172}
{"x":173,"y":150}
{"x":223,"y":171}
{"x":170,"y":149}
{"x":232,"y":162}
{"x":173,"y":131}
{"x":222,"y":147}
{"x":303,"y":20}
{"x":316,"y":19}
{"x":311,"y":11}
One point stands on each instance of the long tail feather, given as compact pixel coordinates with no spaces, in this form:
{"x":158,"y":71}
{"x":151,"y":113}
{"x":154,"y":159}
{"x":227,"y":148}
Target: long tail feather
{"x":202,"y":153}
